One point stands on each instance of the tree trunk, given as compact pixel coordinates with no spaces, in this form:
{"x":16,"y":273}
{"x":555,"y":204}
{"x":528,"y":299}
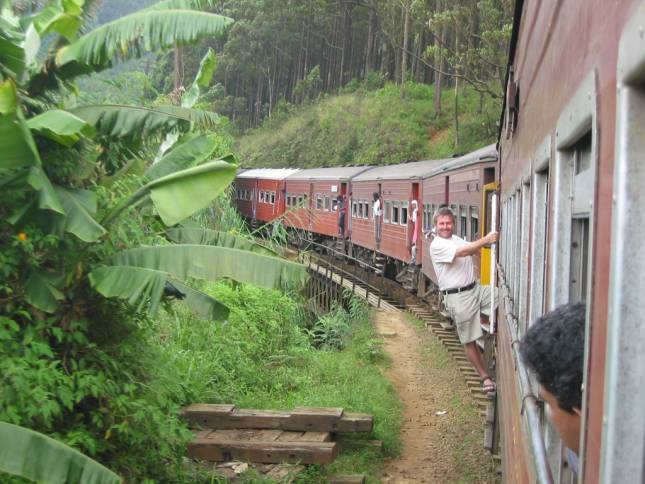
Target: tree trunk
{"x":406,"y":38}
{"x":178,"y":70}
{"x":438,"y":62}
{"x":371,"y":33}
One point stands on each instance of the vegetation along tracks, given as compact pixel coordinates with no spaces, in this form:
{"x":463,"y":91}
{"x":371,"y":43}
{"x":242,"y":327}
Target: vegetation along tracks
{"x":340,"y":273}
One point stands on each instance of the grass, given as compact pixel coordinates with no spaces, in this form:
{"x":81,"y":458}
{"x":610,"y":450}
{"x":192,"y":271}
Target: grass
{"x":264,"y":357}
{"x":388,"y":125}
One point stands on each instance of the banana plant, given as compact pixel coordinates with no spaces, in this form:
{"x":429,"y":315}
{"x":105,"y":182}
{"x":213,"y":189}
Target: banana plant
{"x":39,"y":458}
{"x":185,"y":179}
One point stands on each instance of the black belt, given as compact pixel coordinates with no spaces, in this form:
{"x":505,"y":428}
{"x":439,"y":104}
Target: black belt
{"x":459,"y":289}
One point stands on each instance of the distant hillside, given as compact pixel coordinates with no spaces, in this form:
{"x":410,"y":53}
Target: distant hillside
{"x":389,"y":125}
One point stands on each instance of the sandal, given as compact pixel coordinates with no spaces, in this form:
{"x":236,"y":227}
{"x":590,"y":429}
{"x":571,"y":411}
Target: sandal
{"x":488,"y":387}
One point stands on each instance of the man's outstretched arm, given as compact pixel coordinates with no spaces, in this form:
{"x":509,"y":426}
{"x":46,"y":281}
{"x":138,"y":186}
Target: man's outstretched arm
{"x":472,"y":247}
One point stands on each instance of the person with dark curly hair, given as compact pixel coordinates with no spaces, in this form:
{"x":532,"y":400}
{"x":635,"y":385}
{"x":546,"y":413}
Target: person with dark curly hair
{"x":553,"y":348}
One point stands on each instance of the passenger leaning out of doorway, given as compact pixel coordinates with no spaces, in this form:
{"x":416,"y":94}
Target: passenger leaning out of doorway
{"x":467,"y":302}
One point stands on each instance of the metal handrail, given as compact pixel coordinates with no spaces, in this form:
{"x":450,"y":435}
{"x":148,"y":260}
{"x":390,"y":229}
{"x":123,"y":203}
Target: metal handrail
{"x":530,"y":406}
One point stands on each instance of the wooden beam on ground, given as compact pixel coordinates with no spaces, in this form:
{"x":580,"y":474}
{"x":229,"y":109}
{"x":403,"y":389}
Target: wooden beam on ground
{"x":302,"y":419}
{"x":300,"y":452}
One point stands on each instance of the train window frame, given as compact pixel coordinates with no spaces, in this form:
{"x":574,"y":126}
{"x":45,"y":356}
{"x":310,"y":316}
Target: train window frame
{"x":463,"y":222}
{"x":623,"y":374}
{"x":539,"y":231}
{"x":327,"y":203}
{"x":525,"y":227}
{"x":404,"y":213}
{"x":272,"y":198}
{"x":395,"y":213}
{"x":354,"y":209}
{"x":474,"y":218}
{"x":387,"y":210}
{"x":573,"y":197}
{"x":319,"y":201}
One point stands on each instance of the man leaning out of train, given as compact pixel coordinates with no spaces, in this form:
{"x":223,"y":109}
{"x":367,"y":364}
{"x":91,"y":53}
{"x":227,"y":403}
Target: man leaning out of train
{"x":553,"y":348}
{"x":466,"y":300}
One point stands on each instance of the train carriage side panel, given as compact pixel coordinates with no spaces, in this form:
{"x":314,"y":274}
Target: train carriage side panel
{"x":563,"y":94}
{"x":398,"y":186}
{"x":297,"y":210}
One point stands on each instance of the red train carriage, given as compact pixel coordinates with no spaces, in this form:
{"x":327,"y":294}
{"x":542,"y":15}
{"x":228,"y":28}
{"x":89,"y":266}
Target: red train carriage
{"x":397,"y":185}
{"x":572,"y":179}
{"x":260,"y":192}
{"x":311,"y":198}
{"x":459,"y":183}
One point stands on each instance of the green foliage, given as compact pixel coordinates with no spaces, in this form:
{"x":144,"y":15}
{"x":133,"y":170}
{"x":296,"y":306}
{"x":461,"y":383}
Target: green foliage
{"x":40,"y":458}
{"x":387,"y":125}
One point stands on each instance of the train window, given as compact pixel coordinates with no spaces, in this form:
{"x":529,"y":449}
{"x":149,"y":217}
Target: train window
{"x":540,"y":197}
{"x":354,"y":208}
{"x":404,"y":213}
{"x":272,"y":198}
{"x":327,"y":204}
{"x":463,"y":222}
{"x":301,"y":200}
{"x":579,"y":259}
{"x":395,"y":212}
{"x":387,"y":212}
{"x":319,"y":202}
{"x":367,"y":209}
{"x":523,"y":257}
{"x":474,"y":223}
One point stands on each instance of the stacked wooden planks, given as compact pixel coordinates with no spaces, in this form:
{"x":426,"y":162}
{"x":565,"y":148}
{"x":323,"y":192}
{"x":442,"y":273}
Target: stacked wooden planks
{"x":302,"y":435}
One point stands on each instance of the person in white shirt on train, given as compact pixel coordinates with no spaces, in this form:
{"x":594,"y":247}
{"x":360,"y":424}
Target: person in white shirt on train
{"x":377,"y":213}
{"x":466,"y":300}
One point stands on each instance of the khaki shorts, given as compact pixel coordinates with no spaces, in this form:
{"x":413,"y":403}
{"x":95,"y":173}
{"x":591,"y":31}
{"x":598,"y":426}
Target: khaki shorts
{"x":465,"y":308}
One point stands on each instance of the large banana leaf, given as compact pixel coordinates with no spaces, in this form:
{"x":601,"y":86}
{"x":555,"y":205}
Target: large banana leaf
{"x":181,"y":194}
{"x":203,"y":79}
{"x":80,"y":206}
{"x":60,"y":126}
{"x":47,"y":197}
{"x":40,"y":458}
{"x":190,"y":153}
{"x":143,"y":286}
{"x":42,"y":292}
{"x":213,"y":263}
{"x":183,"y":5}
{"x":201,"y":236}
{"x":147,"y":30}
{"x":133,"y":122}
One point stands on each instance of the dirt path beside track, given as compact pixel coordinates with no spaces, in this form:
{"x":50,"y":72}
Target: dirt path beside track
{"x":442,"y":433}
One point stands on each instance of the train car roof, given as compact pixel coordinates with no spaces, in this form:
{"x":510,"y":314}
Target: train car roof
{"x":482,"y":155}
{"x":332,"y":173}
{"x":267,"y":173}
{"x":410,"y":170}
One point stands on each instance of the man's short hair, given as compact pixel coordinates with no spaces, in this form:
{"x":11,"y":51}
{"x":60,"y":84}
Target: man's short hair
{"x":442,"y":212}
{"x":554,"y":348}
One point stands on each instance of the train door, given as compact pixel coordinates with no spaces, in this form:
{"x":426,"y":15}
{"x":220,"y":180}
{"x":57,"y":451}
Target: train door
{"x":309,"y":207}
{"x":414,"y":224}
{"x":345,"y":208}
{"x":486,"y":223}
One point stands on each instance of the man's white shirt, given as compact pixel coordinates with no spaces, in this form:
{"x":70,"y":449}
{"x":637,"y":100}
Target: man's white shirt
{"x":452,"y":272}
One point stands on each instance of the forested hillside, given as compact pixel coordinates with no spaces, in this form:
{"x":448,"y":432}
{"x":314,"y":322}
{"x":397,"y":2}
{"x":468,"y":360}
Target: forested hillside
{"x":387,"y":125}
{"x":295,"y":50}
